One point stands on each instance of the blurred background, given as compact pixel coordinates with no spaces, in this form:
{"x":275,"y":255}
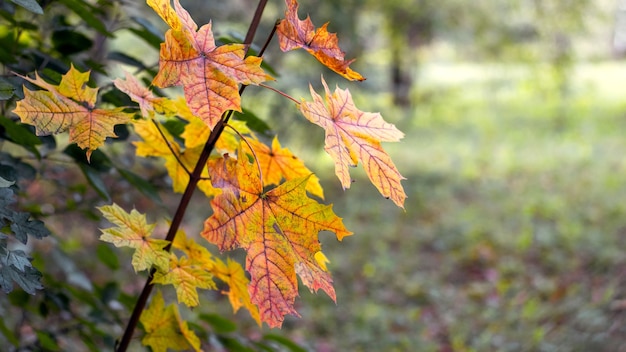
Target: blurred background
{"x":513,"y":236}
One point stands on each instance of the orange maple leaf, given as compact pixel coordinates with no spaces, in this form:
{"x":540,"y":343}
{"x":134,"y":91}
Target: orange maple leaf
{"x":69,"y":106}
{"x":209,"y":74}
{"x":196,"y":132}
{"x":353,"y":135}
{"x":278,"y":163}
{"x":279,"y":230}
{"x":148,"y":102}
{"x":294,"y":33}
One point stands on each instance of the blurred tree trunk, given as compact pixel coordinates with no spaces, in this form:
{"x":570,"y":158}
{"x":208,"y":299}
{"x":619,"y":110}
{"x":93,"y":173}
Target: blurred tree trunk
{"x":409,"y":32}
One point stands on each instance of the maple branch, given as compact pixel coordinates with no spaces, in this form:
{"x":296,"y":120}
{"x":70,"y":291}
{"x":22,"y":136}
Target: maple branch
{"x":279,"y":92}
{"x":269,"y":39}
{"x":194,"y":178}
{"x":254,"y":25}
{"x":180,"y":162}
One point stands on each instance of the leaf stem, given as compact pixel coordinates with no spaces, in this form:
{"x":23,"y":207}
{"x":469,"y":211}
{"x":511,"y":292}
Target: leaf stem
{"x":169,"y":146}
{"x":269,"y":39}
{"x":194,"y":178}
{"x":280,"y":92}
{"x":256,"y":159}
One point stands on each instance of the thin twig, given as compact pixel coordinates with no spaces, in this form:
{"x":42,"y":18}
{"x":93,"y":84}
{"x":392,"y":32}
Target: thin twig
{"x":169,"y":146}
{"x":256,"y":159}
{"x":280,"y":92}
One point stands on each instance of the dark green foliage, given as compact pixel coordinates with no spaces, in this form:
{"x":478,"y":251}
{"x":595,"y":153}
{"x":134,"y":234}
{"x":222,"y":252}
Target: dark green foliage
{"x":15,"y":266}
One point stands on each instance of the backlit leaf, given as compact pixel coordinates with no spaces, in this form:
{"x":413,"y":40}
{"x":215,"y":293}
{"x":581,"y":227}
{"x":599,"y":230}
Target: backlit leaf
{"x":209,"y":74}
{"x":132,"y":230}
{"x":232,"y":273}
{"x":69,"y":106}
{"x":279,"y":230}
{"x":148,"y":102}
{"x":154,"y":144}
{"x":165,"y":329}
{"x":353,"y":135}
{"x":278,"y":163}
{"x":186,"y":277}
{"x":294,"y":33}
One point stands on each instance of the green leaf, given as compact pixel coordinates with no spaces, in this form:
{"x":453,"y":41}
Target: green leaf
{"x":29,"y":279}
{"x":47,"y":342}
{"x":19,"y":133}
{"x":98,"y":161}
{"x":254,"y":122}
{"x":219,"y":324}
{"x":93,"y":177}
{"x":233,"y":345}
{"x":149,"y":33}
{"x":175,"y":127}
{"x":10,"y":336}
{"x":125,"y":59}
{"x":142,"y":185}
{"x":107,"y":256}
{"x":68,"y":42}
{"x":7,"y":90}
{"x":22,"y":225}
{"x":86,"y":12}
{"x":30,"y":5}
{"x":285,"y":342}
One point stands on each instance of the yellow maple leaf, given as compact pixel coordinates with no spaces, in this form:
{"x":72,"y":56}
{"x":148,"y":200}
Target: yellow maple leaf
{"x":133,"y":231}
{"x":277,"y":163}
{"x":186,"y":277}
{"x":155,"y":144}
{"x":165,"y":329}
{"x":69,"y":106}
{"x":232,"y":274}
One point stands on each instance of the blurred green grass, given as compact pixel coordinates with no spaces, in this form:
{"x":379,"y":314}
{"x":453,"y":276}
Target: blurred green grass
{"x":513,"y":235}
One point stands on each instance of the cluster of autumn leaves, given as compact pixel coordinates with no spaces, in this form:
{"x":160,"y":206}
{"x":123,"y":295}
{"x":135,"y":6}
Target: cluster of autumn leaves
{"x":278,"y":228}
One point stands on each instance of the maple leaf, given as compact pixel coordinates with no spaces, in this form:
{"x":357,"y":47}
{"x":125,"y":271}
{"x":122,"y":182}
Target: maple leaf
{"x":154,"y":144}
{"x":278,"y":229}
{"x":196,"y":132}
{"x":294,"y":33}
{"x":278,"y":163}
{"x":198,"y":254}
{"x":230,"y":272}
{"x":133,"y":231}
{"x":165,"y":329}
{"x":148,"y":102}
{"x":186,"y":277}
{"x":69,"y":106}
{"x":353,"y":135}
{"x":209,"y":74}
